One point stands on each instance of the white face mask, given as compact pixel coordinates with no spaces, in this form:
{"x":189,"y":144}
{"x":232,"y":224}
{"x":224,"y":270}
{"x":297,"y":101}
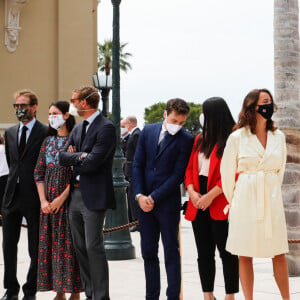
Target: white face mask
{"x":124,"y":131}
{"x":73,"y":110}
{"x":201,"y":120}
{"x":56,"y":121}
{"x":172,"y":128}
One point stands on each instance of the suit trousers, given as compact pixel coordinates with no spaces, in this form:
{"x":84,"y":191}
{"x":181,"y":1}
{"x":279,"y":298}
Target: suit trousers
{"x":132,"y":203}
{"x":210,"y":234}
{"x":87,"y":233}
{"x":3,"y":180}
{"x":11,"y":222}
{"x":152,"y":225}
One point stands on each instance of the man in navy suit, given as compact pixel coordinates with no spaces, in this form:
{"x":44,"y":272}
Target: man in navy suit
{"x":90,"y":151}
{"x":159,"y":164}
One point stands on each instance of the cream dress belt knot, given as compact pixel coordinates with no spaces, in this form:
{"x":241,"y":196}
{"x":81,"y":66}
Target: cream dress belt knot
{"x":263,"y":213}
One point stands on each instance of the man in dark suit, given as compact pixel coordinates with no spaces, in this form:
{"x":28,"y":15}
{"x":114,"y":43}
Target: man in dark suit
{"x":21,"y":199}
{"x":124,"y":135}
{"x":90,"y":151}
{"x":134,"y":133}
{"x":159,"y":164}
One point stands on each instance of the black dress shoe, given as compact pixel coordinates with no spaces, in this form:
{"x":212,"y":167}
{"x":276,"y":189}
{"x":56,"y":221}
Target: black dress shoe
{"x":9,"y":297}
{"x":29,"y":298}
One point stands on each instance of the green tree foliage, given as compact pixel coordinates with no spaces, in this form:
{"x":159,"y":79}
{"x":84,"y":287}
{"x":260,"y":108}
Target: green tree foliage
{"x":105,"y":57}
{"x":154,"y":114}
{"x":192,"y":123}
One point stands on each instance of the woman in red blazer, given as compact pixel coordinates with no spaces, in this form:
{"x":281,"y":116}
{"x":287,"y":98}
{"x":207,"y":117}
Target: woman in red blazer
{"x":206,"y":200}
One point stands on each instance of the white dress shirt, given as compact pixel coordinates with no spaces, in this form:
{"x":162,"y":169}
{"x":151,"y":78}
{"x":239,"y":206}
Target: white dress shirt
{"x":162,"y":133}
{"x":29,"y":126}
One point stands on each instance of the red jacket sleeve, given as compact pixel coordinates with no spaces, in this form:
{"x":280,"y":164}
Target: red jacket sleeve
{"x":189,"y":172}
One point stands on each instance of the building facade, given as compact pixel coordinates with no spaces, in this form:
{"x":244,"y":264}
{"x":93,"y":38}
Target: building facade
{"x":47,"y":46}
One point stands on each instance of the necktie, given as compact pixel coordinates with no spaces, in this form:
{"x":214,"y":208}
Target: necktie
{"x":22,"y":143}
{"x":163,"y":141}
{"x":83,"y":132}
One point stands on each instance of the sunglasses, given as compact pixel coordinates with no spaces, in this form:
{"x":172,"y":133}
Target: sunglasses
{"x":23,"y":106}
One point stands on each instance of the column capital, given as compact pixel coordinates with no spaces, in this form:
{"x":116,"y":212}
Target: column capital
{"x":115,"y":2}
{"x":12,"y":27}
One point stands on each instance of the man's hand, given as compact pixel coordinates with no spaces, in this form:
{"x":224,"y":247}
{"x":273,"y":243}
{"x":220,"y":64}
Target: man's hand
{"x":151,"y":201}
{"x":72,"y":149}
{"x":146,"y":203}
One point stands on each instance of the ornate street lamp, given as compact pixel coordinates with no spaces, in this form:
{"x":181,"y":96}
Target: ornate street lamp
{"x":118,"y":245}
{"x":104,"y":84}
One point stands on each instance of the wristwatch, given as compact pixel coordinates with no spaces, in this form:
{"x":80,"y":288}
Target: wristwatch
{"x":83,"y":155}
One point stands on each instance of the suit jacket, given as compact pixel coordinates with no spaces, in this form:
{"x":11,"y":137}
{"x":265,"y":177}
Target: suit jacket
{"x":130,"y":151}
{"x":159,"y":174}
{"x":214,"y":178}
{"x":96,"y":182}
{"x":23,"y":167}
{"x":124,"y":144}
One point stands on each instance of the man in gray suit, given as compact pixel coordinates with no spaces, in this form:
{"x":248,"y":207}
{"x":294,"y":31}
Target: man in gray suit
{"x":90,"y":151}
{"x":21,"y":199}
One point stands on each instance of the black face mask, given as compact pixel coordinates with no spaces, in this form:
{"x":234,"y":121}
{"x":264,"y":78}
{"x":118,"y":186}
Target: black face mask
{"x":266,"y":110}
{"x":22,"y":114}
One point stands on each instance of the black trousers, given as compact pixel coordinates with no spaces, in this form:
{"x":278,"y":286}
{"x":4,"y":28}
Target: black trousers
{"x":11,"y":226}
{"x":210,"y":234}
{"x":87,"y":233}
{"x":3,"y":180}
{"x":132,"y":203}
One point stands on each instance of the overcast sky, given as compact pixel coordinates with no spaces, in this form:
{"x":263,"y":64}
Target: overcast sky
{"x":192,"y":49}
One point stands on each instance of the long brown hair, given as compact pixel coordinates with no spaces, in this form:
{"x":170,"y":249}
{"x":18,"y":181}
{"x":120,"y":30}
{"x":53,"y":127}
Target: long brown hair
{"x":247,"y":116}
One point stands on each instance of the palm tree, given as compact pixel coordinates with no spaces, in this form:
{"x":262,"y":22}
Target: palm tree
{"x":105,"y":57}
{"x":105,"y":65}
{"x":287,"y":95}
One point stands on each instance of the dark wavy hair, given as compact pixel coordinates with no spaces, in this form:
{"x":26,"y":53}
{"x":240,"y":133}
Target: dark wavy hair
{"x":218,"y":124}
{"x":247,"y":116}
{"x":63,"y":106}
{"x":178,"y":105}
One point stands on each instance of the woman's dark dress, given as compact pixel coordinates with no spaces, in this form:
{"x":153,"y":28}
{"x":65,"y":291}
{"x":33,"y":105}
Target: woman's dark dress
{"x":58,"y":269}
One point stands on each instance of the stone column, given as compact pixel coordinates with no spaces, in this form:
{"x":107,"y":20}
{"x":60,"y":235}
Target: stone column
{"x":287,"y":97}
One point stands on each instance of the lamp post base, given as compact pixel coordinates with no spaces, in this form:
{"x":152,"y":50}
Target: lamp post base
{"x":118,"y":244}
{"x":119,"y":250}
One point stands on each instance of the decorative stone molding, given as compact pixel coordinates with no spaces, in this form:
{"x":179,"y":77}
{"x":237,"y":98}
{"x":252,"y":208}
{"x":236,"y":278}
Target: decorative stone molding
{"x":12,"y":18}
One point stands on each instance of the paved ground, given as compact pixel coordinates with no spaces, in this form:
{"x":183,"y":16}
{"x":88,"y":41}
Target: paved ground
{"x":127,"y":277}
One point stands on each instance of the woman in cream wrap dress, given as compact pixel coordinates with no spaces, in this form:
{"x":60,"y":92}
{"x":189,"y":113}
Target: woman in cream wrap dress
{"x":252,"y":170}
{"x":257,"y":225}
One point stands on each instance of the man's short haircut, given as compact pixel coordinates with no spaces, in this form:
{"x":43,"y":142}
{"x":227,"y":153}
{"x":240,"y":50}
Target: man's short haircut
{"x":132,"y":120}
{"x":90,"y":94}
{"x":178,"y":105}
{"x":33,"y":100}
